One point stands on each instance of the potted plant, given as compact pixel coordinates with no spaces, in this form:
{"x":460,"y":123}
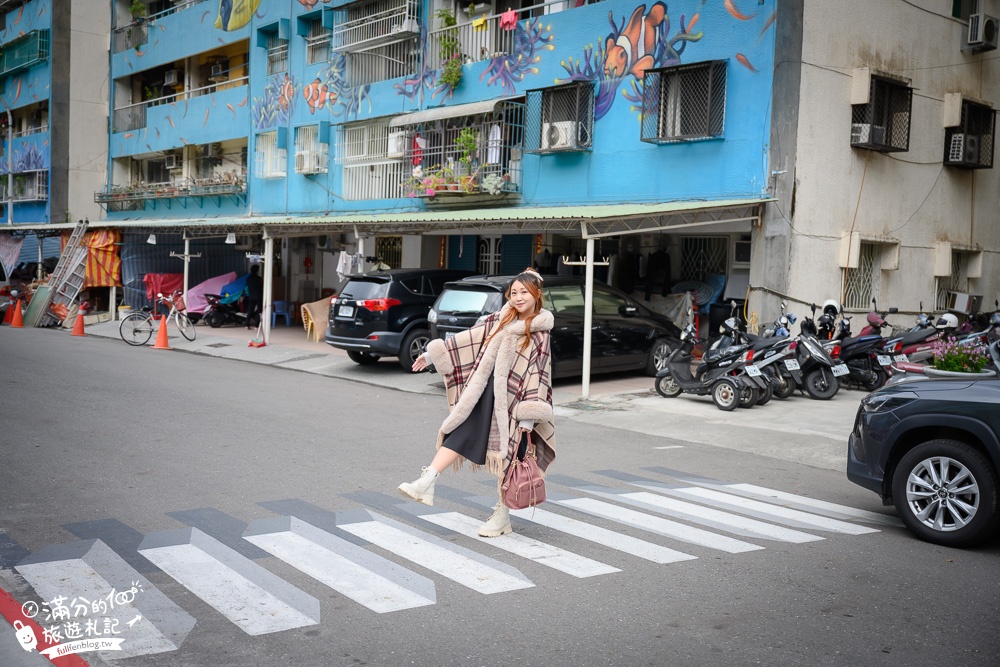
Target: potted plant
{"x":451,"y":55}
{"x":138,"y":10}
{"x":952,"y":359}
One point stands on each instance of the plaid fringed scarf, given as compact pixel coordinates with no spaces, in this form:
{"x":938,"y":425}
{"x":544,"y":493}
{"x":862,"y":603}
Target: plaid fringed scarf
{"x":523,"y":386}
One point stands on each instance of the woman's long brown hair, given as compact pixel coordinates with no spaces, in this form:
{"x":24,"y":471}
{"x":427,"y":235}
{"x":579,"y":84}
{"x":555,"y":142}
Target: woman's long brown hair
{"x":533,"y":282}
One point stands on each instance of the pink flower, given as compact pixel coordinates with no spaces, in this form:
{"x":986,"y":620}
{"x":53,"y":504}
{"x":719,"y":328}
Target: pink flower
{"x":430,"y":192}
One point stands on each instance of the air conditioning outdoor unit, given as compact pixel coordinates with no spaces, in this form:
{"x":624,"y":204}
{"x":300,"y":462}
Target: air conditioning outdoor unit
{"x":309,"y":162}
{"x":964,"y":148}
{"x":983,"y":32}
{"x":866,"y":133}
{"x":560,"y":134}
{"x":172,"y":161}
{"x":170,"y":77}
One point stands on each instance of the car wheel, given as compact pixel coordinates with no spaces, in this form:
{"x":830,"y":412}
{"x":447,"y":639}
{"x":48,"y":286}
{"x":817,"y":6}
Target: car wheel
{"x":667,"y":387}
{"x":946,"y":493}
{"x":362,"y":358}
{"x":820,"y":384}
{"x":748,"y":397}
{"x":412,"y":347}
{"x":658,"y":354}
{"x":725,"y":395}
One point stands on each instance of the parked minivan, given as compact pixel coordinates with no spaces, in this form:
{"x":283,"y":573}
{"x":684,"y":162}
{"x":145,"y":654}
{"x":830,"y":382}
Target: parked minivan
{"x":626,"y":334}
{"x":384,"y":313}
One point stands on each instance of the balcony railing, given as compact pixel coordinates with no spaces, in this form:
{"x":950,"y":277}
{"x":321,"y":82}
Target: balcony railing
{"x":31,"y":130}
{"x":365,"y":25}
{"x":28,"y":186}
{"x":133,"y":116}
{"x":136,"y":33}
{"x":196,"y":187}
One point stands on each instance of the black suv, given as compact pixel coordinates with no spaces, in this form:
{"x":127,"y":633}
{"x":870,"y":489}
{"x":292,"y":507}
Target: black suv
{"x":626,"y":335}
{"x":384,"y":313}
{"x":932,"y":447}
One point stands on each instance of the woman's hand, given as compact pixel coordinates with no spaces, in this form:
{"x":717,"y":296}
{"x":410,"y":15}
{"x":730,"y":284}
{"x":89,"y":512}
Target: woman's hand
{"x":420,"y":364}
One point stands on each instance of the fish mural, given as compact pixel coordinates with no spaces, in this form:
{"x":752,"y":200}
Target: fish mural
{"x":633,"y":46}
{"x":309,"y":4}
{"x":234,"y":14}
{"x":287,"y":93}
{"x":317,"y":94}
{"x":277,"y":103}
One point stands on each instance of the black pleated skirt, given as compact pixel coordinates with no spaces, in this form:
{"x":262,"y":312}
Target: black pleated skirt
{"x":471,"y":437}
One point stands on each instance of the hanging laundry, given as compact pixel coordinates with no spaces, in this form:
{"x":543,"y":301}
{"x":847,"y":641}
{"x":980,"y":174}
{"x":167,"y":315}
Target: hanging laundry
{"x":343,"y":265}
{"x":419,"y":143}
{"x":493,"y":145}
{"x":479,"y":24}
{"x":508,"y":20}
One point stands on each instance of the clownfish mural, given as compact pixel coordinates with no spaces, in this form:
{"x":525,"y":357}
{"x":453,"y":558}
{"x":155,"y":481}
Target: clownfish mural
{"x":317,"y":94}
{"x":630,"y":49}
{"x":286,"y":93}
{"x":234,"y":14}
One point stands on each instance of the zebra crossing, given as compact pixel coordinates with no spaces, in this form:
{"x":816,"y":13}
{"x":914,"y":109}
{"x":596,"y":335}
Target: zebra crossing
{"x":387,"y":564}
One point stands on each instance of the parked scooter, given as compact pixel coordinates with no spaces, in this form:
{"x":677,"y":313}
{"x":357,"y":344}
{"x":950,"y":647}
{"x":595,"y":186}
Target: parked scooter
{"x":218,"y":313}
{"x":724,"y":378}
{"x":861,"y":355}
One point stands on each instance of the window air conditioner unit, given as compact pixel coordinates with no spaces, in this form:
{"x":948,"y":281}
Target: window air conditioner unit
{"x":560,"y":134}
{"x":217,"y":73}
{"x":172,"y":161}
{"x":397,"y":144}
{"x":983,"y":32}
{"x":170,"y":77}
{"x":866,"y":133}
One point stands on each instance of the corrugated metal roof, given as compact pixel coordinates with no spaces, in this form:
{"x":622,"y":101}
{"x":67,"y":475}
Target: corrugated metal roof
{"x":440,"y":113}
{"x":587,"y":213}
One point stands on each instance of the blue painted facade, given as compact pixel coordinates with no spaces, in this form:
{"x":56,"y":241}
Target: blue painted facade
{"x":551,"y":49}
{"x":25,"y":82}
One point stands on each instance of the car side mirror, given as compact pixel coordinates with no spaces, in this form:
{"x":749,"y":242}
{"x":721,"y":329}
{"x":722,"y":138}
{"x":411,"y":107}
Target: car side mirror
{"x":627,"y":311}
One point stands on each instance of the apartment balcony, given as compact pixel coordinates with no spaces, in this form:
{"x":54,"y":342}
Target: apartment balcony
{"x":135,"y":197}
{"x":368,"y":24}
{"x":29,"y":186}
{"x":136,"y":34}
{"x":24,"y":52}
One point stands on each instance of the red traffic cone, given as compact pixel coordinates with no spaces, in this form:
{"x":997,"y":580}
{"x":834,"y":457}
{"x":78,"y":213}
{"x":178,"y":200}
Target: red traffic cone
{"x":18,"y":321}
{"x":161,"y":335}
{"x":78,"y":325}
{"x":8,"y":316}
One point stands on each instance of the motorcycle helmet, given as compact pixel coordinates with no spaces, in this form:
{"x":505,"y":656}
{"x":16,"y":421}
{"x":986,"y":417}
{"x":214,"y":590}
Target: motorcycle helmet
{"x":831,"y":307}
{"x":947,"y":321}
{"x":791,"y":318}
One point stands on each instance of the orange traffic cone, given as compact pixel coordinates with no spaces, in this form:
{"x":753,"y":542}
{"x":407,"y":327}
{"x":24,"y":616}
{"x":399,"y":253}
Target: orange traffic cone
{"x":8,"y":316}
{"x":18,"y":321}
{"x":78,"y":325}
{"x":161,"y":335}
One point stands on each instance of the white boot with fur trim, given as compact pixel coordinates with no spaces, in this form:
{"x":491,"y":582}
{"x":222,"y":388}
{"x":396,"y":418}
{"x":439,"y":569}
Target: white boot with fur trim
{"x":422,"y":489}
{"x":498,"y":524}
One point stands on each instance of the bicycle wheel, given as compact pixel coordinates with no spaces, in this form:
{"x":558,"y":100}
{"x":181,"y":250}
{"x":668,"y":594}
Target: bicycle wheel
{"x":136,"y":329}
{"x":184,"y":326}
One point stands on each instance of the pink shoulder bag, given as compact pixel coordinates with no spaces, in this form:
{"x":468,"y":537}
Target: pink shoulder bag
{"x":523,"y":485}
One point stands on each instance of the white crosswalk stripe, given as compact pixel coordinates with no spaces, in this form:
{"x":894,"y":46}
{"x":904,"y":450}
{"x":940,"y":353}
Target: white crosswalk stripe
{"x":833,"y":510}
{"x":526,"y":547}
{"x":659,"y":525}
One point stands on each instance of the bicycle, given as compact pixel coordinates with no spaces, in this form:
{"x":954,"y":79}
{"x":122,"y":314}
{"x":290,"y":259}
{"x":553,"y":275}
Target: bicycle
{"x":138,"y":328}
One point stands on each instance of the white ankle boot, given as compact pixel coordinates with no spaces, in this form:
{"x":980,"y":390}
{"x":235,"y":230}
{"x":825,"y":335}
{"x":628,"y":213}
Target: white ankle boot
{"x":498,"y":524}
{"x":422,"y":489}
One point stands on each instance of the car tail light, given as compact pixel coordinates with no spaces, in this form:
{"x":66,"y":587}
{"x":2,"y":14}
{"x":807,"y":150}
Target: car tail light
{"x":835,"y":352}
{"x":377,"y":305}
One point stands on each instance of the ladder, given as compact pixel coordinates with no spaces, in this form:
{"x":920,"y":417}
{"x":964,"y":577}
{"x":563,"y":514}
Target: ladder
{"x":66,"y":282}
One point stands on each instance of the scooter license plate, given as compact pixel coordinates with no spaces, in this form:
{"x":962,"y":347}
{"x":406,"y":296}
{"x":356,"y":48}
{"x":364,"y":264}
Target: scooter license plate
{"x":884,"y":360}
{"x":345,"y":311}
{"x":753,"y":371}
{"x":902,"y":357}
{"x":840,"y":369}
{"x":792,"y":364}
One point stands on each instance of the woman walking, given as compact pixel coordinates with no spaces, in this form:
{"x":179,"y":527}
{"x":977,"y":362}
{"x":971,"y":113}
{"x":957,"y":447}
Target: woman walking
{"x":497,"y":375}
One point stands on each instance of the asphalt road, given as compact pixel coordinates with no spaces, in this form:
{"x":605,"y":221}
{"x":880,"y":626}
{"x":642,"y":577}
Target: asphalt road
{"x":644,"y":555}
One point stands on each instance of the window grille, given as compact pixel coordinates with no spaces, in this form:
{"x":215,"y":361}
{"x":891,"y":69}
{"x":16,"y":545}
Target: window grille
{"x":883,"y":124}
{"x":277,"y":53}
{"x":389,"y":249}
{"x":862,"y":284}
{"x":970,"y":144}
{"x":490,"y":250}
{"x":270,"y":160}
{"x":317,"y":42}
{"x":958,"y":281}
{"x":311,"y":155}
{"x":369,"y":172}
{"x":560,"y":118}
{"x":25,"y":51}
{"x":684,"y":103}
{"x":381,"y":63}
{"x":701,"y":255}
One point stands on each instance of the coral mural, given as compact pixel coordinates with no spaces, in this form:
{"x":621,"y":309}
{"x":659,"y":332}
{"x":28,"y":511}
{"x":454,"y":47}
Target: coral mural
{"x":343,"y":100}
{"x":275,"y":106}
{"x":641,"y":43}
{"x":530,"y":37}
{"x":424,"y":79}
{"x":234,"y":14}
{"x":29,"y":158}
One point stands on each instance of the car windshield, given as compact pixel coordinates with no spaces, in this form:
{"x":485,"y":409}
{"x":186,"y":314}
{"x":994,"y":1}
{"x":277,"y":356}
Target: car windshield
{"x":462,"y":301}
{"x":364,"y":289}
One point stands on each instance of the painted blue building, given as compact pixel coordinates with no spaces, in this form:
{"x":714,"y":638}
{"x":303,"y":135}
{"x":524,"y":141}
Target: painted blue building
{"x":480,"y":136}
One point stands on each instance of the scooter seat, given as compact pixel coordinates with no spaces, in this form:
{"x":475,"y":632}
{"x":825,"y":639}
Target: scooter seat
{"x":764,"y":343}
{"x":911,"y":337}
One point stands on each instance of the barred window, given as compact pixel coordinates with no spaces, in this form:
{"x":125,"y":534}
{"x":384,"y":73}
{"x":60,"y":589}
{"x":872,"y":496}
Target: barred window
{"x":317,"y":42}
{"x":311,"y":155}
{"x":702,"y":255}
{"x":560,"y":118}
{"x":372,"y":169}
{"x":958,"y":281}
{"x":862,"y":284}
{"x":685,"y":102}
{"x":883,"y":123}
{"x":269,"y":158}
{"x":277,"y":51}
{"x":969,"y":145}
